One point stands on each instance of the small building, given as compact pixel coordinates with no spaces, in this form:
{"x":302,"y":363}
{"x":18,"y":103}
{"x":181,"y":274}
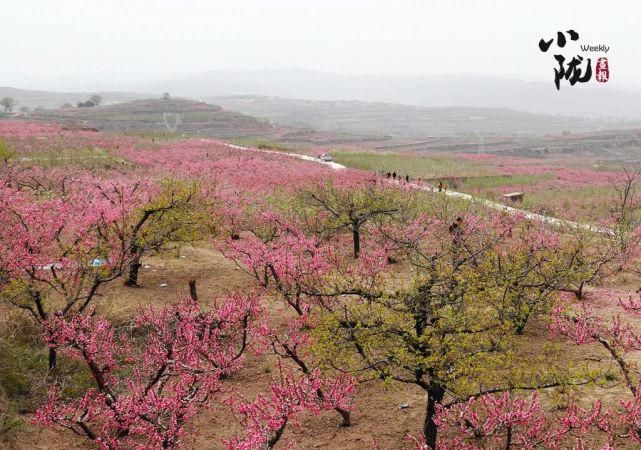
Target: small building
{"x":516,"y":197}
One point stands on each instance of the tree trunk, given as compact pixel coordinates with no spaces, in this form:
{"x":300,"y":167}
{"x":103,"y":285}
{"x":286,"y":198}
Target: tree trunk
{"x":346,"y":415}
{"x":275,"y":437}
{"x":133,"y":274}
{"x":356,"y":235}
{"x":434,"y":397}
{"x":53,"y":358}
{"x":508,"y":438}
{"x":521,"y":323}
{"x":192,"y":290}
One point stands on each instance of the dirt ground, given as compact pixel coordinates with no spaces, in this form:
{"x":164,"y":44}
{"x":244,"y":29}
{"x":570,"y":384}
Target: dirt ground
{"x":377,"y":416}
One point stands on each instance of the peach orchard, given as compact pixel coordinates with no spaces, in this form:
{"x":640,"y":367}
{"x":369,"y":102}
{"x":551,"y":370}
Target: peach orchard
{"x":382,"y":284}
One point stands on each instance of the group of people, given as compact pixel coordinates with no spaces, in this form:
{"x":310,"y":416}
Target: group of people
{"x":398,"y":177}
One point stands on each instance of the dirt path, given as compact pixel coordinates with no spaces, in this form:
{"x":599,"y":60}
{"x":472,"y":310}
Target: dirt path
{"x":554,"y":221}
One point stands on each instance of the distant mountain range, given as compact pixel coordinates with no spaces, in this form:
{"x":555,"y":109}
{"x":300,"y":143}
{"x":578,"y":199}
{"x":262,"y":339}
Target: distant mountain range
{"x":599,"y":100}
{"x":413,"y":122}
{"x":407,"y":107}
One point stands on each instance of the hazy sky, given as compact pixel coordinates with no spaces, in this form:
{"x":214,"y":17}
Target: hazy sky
{"x":44,"y":39}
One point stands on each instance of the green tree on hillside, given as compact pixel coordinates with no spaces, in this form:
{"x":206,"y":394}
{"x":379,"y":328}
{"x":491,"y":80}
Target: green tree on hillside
{"x":96,"y":99}
{"x":7,"y":103}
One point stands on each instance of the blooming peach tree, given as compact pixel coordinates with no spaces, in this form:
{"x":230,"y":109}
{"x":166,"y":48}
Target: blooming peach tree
{"x":291,"y":267}
{"x":266,"y":417}
{"x":144,"y":392}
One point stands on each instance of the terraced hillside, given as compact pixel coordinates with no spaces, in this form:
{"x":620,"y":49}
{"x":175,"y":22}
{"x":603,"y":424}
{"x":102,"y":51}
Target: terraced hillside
{"x":175,"y":115}
{"x":189,"y":117}
{"x":355,"y":125}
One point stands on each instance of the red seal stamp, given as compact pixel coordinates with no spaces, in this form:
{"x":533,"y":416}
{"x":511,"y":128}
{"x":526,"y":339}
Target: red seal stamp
{"x":602,"y":70}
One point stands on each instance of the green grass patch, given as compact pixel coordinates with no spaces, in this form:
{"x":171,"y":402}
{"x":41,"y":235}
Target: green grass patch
{"x":265,"y":144}
{"x":89,"y":156}
{"x":495,"y":181}
{"x":426,"y":167}
{"x":156,"y":135}
{"x":24,"y":377}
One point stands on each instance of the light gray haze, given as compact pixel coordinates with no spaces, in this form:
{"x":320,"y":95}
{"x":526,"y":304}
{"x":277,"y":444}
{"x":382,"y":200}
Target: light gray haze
{"x":80,"y":43}
{"x":427,"y":53}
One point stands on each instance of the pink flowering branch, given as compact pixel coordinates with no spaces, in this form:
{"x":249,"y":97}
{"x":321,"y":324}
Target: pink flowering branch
{"x":294,"y":267}
{"x":144,"y":393}
{"x":616,"y":337}
{"x":266,"y":417}
{"x":505,"y":421}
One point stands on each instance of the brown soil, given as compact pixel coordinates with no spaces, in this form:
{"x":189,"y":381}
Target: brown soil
{"x":377,"y":416}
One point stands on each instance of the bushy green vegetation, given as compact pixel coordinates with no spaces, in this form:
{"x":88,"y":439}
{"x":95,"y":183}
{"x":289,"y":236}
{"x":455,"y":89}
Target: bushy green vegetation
{"x":22,"y":361}
{"x":6,"y":154}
